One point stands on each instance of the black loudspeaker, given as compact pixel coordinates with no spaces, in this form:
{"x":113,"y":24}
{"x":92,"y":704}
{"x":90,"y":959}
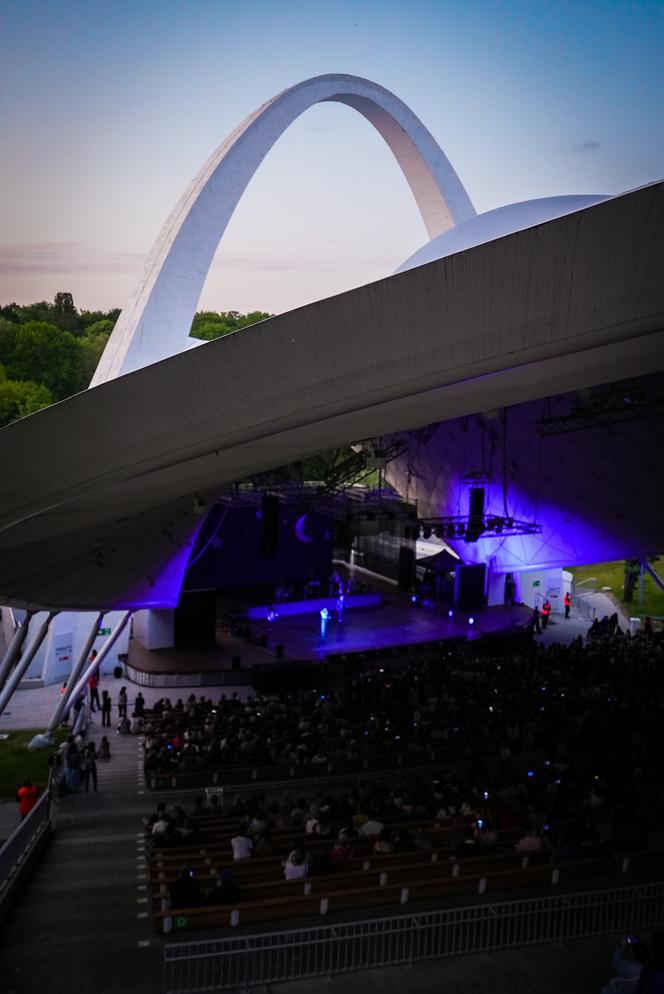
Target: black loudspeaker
{"x":469,"y":586}
{"x":269,"y":526}
{"x":279,"y":651}
{"x":406,"y":573}
{"x":475,"y":514}
{"x":195,"y":618}
{"x":235,"y":663}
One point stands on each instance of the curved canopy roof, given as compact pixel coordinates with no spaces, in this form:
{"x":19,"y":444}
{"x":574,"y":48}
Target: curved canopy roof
{"x":96,"y":493}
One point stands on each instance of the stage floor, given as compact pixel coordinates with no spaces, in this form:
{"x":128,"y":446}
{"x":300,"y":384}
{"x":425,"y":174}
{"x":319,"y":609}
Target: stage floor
{"x":393,"y":623}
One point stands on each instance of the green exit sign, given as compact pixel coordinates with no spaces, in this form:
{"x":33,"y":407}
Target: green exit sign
{"x":536,"y":583}
{"x":104,"y":631}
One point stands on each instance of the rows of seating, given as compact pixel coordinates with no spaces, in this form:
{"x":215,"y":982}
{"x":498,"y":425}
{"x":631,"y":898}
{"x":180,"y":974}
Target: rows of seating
{"x":240,"y":775}
{"x":365,"y":880}
{"x":385,"y":881}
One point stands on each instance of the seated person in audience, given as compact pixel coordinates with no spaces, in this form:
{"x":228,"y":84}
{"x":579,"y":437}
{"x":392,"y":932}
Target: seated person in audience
{"x":371,"y":827}
{"x":157,"y":815}
{"x":468,"y":845}
{"x":651,"y":980}
{"x":295,"y":867}
{"x":360,"y":818}
{"x":185,"y":891}
{"x":225,"y":891}
{"x":627,"y":962}
{"x":104,"y":749}
{"x":383,"y":846}
{"x":241,"y":845}
{"x":422,"y":841}
{"x":341,"y":851}
{"x":312,"y":825}
{"x":404,"y":842}
{"x":485,"y":833}
{"x":124,"y":726}
{"x":136,"y":725}
{"x":263,"y":844}
{"x":530,"y":842}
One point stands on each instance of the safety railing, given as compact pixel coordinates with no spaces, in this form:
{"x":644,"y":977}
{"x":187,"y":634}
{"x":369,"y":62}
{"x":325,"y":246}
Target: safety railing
{"x":251,"y":960}
{"x":584,"y":608}
{"x":21,"y":843}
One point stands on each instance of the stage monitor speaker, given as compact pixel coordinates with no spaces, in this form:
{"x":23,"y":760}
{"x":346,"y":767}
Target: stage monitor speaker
{"x":469,"y":587}
{"x":269,"y":526}
{"x":195,"y":617}
{"x":406,"y":572}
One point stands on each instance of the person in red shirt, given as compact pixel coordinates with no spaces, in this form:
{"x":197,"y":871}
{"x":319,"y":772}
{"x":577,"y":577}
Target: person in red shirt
{"x":26,"y":796}
{"x":546,"y":611}
{"x":567,"y":601}
{"x":93,"y":686}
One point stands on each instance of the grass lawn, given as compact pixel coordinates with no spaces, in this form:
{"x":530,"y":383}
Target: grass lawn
{"x":17,"y":761}
{"x":612,"y":575}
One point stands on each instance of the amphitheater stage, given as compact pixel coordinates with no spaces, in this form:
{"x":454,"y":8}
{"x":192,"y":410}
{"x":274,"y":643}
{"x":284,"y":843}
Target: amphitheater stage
{"x":394,"y":623}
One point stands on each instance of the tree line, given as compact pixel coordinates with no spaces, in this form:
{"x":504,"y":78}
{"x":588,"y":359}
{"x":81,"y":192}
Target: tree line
{"x":49,"y":351}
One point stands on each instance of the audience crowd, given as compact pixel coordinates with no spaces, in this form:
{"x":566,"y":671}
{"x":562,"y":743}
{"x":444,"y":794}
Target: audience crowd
{"x":592,"y":712}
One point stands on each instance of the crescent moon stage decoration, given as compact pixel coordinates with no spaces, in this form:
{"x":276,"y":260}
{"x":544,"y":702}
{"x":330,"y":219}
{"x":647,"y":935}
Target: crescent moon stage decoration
{"x":300,"y":533}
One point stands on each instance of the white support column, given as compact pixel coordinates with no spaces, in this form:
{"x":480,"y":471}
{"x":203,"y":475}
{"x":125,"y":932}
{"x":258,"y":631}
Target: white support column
{"x":45,"y":740}
{"x":103,"y":653}
{"x":21,"y":667}
{"x":14,"y":648}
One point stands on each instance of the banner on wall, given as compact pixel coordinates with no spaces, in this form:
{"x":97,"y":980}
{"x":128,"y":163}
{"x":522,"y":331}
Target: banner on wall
{"x":63,"y":645}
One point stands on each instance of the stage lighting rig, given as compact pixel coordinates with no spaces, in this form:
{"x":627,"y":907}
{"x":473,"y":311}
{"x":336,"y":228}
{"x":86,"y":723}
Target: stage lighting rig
{"x":470,"y":529}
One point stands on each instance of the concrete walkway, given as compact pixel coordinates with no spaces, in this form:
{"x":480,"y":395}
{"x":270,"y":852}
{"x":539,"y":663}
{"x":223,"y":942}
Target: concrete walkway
{"x":83,"y":922}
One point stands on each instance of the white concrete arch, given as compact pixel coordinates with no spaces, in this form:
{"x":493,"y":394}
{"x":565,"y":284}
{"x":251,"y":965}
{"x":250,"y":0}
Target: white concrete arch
{"x":156,"y":320}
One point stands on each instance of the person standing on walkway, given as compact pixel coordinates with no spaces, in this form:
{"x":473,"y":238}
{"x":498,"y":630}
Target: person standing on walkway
{"x":567,"y":601}
{"x":90,"y":767}
{"x":105,"y":709}
{"x":122,"y":703}
{"x":73,"y":767}
{"x":546,"y":611}
{"x":26,"y":795}
{"x":93,"y":685}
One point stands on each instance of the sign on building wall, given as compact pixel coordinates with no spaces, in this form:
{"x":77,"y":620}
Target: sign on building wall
{"x":63,"y":647}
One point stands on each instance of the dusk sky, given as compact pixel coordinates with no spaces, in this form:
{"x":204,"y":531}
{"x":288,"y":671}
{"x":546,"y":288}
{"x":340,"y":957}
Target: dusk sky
{"x":108,"y":109}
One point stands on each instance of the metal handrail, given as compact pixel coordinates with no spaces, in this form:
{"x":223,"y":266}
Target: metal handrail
{"x":21,"y":842}
{"x":251,"y":960}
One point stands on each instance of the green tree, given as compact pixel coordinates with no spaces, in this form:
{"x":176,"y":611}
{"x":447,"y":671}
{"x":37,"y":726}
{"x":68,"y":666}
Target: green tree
{"x":209,"y":325}
{"x":20,"y":398}
{"x":45,"y":354}
{"x":632,"y":570}
{"x":7,"y":339}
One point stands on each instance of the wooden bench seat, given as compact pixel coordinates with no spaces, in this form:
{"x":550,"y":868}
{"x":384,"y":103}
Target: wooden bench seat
{"x":287,"y":900}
